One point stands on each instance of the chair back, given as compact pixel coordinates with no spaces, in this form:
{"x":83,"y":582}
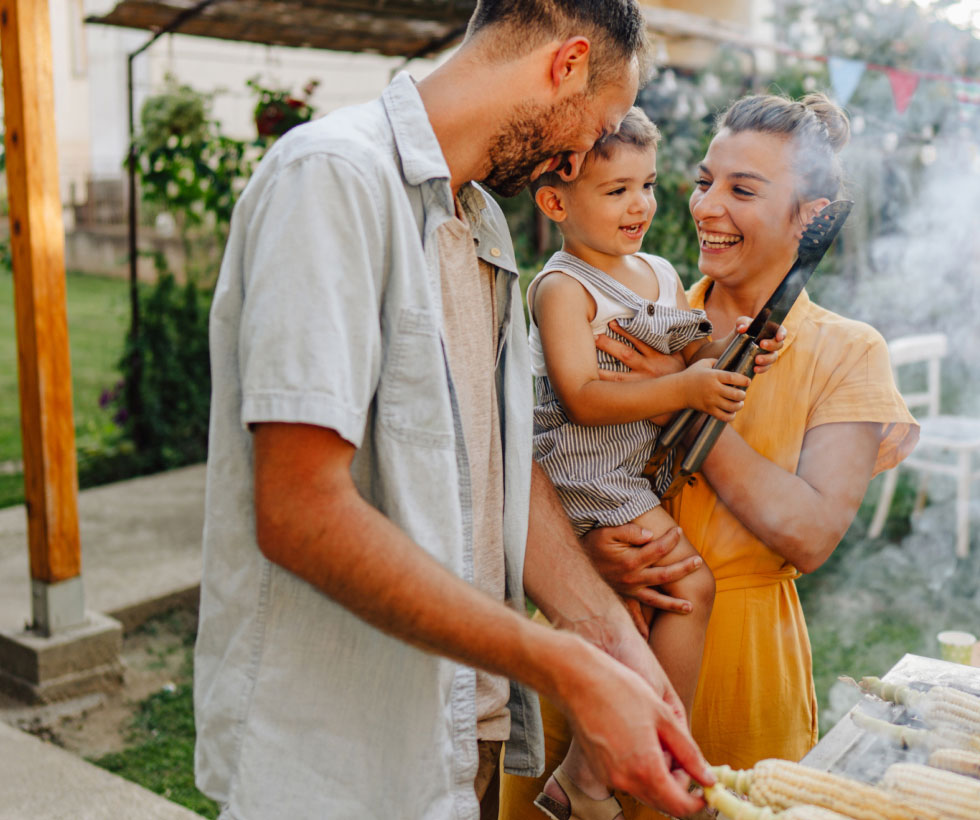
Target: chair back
{"x":926,"y":348}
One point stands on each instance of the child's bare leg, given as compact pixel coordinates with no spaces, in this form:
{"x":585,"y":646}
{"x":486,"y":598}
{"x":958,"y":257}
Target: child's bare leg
{"x":677,"y":639}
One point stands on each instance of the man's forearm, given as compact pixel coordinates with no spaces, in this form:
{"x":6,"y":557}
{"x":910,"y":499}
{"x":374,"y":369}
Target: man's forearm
{"x":312,"y":521}
{"x":558,"y":575}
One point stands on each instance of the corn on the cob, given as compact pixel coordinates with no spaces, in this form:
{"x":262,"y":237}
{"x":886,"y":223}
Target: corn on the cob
{"x":940,"y":706}
{"x":781,"y":784}
{"x":942,"y":737}
{"x":735,"y":808}
{"x":955,"y":797}
{"x":958,"y":761}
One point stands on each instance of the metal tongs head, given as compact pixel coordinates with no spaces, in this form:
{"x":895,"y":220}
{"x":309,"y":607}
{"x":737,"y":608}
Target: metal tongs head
{"x":739,"y":356}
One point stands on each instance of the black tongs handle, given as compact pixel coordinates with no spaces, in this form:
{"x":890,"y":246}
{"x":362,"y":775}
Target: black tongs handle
{"x":708,"y":434}
{"x":682,"y":423}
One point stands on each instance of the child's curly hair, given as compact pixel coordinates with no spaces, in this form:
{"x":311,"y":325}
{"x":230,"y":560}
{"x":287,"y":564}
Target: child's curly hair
{"x":636,"y":130}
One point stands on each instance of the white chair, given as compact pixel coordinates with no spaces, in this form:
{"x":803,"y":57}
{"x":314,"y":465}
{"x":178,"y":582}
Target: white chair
{"x":947,"y":443}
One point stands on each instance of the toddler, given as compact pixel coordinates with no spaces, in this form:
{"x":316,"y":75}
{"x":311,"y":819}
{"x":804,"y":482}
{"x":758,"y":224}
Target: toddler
{"x":594,"y":433}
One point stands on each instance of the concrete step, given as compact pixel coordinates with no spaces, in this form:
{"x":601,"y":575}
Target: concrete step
{"x":39,"y":781}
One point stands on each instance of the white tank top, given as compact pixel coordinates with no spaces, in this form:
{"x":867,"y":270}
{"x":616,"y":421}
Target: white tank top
{"x":607,"y":307}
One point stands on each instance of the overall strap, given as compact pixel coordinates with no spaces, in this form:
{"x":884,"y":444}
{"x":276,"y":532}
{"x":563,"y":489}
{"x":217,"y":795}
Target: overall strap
{"x":600,"y":280}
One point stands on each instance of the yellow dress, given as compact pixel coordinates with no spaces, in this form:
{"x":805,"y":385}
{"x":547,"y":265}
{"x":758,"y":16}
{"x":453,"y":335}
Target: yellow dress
{"x":755,"y":696}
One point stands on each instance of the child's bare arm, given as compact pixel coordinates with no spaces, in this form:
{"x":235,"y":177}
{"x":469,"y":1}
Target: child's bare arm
{"x":562,"y":311}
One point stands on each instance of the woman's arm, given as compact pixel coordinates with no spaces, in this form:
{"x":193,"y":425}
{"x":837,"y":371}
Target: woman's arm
{"x":561,"y":309}
{"x":802,"y":517}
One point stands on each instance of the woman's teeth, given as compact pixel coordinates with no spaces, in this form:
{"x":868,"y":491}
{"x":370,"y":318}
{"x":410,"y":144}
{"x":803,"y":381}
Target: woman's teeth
{"x":718,"y":240}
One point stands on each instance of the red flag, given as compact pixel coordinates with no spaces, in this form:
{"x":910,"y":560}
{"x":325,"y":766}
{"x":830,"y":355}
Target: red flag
{"x":903,"y":84}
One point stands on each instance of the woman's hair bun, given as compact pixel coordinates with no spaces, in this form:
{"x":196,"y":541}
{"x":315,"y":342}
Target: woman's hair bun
{"x":833,"y":118}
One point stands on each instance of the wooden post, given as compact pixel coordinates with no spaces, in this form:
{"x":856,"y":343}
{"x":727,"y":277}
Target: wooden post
{"x":38,"y":249}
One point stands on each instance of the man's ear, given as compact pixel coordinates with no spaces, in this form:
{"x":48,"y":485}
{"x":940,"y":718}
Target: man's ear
{"x":549,"y":200}
{"x":570,"y":64}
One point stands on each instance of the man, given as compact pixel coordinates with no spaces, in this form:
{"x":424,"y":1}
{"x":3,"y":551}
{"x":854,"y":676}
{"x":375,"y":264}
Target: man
{"x":370,"y":472}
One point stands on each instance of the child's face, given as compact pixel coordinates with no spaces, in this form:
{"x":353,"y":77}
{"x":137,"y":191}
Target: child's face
{"x":610,"y":206}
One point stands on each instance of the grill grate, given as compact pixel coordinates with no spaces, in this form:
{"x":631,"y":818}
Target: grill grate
{"x":849,"y":750}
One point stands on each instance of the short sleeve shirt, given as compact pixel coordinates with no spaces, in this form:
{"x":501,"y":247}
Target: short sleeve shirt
{"x":328,"y":311}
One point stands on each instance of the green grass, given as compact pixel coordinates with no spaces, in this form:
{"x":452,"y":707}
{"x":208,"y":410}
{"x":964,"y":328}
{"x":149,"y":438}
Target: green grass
{"x":98,"y":315}
{"x":161,"y":758}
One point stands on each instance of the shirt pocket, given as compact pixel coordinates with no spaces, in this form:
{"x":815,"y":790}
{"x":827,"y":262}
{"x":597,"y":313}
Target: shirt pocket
{"x":413,"y":395}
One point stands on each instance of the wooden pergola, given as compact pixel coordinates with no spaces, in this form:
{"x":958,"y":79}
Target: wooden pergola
{"x":409,"y":28}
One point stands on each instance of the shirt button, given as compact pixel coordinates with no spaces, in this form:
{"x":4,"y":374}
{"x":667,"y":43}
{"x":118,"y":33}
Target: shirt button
{"x":495,"y":251}
{"x":650,"y":310}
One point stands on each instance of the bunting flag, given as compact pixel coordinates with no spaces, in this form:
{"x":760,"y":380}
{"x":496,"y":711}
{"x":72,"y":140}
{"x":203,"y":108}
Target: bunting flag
{"x":903,"y":85}
{"x":844,"y":77}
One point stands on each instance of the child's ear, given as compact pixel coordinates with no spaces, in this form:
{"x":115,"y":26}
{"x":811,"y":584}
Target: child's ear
{"x":549,"y":200}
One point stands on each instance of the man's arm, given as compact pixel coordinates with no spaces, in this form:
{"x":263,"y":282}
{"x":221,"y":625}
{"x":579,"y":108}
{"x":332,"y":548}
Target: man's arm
{"x":311,"y":520}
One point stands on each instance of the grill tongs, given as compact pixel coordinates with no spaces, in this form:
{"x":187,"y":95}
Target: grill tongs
{"x":739,"y":356}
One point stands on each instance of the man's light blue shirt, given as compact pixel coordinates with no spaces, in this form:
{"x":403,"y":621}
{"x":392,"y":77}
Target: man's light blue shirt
{"x":328,"y":311}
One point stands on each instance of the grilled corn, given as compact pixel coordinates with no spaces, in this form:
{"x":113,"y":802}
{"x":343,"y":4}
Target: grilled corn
{"x":942,"y":737}
{"x":940,"y":706}
{"x":959,"y":761}
{"x":955,"y":797}
{"x":735,"y":808}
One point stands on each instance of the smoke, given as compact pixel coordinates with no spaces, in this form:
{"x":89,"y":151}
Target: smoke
{"x":910,"y":264}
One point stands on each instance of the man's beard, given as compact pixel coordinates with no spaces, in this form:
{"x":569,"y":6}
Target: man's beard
{"x":532,"y":136}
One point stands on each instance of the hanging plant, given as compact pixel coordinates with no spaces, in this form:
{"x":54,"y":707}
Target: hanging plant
{"x":277,"y":110}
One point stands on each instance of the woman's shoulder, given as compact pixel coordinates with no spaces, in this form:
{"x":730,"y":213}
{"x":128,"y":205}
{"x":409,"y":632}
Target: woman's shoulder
{"x":835,"y":327}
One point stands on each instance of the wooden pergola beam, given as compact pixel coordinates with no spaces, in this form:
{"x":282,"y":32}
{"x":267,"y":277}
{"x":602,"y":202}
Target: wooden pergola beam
{"x":37,"y":247}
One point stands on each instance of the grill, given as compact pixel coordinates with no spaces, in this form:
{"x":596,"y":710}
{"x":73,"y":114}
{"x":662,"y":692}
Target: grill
{"x":851,"y":751}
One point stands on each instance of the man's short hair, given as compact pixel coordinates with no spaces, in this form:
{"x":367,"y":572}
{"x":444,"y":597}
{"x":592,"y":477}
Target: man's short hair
{"x":615,"y":29}
{"x":636,"y":130}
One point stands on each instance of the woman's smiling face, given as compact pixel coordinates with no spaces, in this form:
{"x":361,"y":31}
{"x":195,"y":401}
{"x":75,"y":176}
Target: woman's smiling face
{"x":745,"y":207}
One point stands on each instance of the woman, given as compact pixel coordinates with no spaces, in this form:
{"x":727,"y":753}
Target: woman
{"x":784,"y":481}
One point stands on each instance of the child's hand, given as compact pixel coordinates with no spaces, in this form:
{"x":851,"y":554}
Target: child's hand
{"x":718,"y":393}
{"x":763,"y":361}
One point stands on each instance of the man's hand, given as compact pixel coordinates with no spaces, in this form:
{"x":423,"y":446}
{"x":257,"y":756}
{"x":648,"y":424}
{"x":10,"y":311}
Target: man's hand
{"x":632,"y":725}
{"x":627,"y":556}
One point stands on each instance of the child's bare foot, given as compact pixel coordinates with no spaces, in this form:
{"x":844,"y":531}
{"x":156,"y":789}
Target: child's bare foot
{"x":562,"y":799}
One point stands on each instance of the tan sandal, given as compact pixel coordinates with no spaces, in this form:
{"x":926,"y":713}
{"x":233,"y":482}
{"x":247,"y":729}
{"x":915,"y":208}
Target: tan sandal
{"x":580,"y":805}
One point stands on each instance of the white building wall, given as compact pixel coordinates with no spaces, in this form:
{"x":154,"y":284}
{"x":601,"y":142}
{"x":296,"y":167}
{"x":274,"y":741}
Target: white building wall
{"x":90,"y":79}
{"x":89,"y":65}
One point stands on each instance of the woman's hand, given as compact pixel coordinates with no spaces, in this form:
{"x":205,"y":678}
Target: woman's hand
{"x":642,"y":360}
{"x":763,"y":361}
{"x":626,"y":557}
{"x":719,"y":393}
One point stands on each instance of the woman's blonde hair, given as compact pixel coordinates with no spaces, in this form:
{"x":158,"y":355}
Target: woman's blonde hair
{"x":818,"y":128}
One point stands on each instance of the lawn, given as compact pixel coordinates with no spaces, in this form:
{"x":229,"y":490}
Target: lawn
{"x":160,"y":751}
{"x":98,"y":315}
